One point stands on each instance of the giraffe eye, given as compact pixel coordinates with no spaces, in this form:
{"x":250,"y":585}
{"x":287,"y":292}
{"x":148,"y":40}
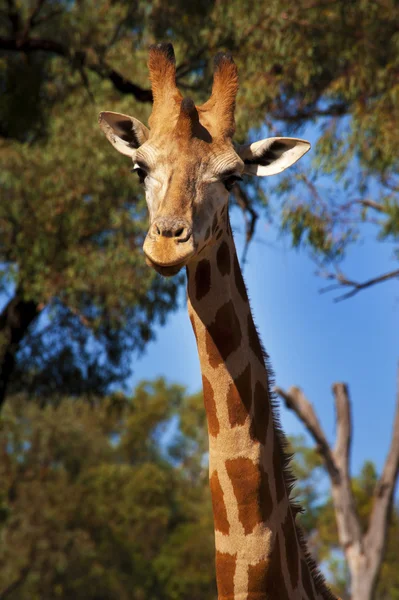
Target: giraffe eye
{"x":230,"y":181}
{"x":142,"y":173}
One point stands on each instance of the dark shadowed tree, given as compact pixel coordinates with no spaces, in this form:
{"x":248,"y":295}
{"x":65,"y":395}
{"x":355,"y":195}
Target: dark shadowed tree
{"x":105,"y":500}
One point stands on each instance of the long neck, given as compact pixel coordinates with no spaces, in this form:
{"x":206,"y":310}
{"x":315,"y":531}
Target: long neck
{"x":258,"y":553}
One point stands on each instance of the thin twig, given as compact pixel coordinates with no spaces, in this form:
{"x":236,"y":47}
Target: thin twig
{"x":341,"y":280}
{"x":250,"y":217}
{"x":296,"y":401}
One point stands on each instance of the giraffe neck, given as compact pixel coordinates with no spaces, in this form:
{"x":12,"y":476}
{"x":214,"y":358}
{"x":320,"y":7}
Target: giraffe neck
{"x":258,"y":552}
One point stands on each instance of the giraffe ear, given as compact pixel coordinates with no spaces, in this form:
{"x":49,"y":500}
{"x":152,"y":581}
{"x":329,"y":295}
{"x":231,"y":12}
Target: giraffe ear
{"x":125,"y":133}
{"x":272,"y":155}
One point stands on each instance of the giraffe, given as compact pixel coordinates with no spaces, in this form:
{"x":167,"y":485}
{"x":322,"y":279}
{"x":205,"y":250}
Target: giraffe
{"x":188,"y":164}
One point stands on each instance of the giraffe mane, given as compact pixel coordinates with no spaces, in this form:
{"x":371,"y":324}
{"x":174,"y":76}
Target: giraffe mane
{"x":290,"y":481}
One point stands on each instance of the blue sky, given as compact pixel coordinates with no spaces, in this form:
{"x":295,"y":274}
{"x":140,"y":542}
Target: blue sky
{"x":312,"y":341}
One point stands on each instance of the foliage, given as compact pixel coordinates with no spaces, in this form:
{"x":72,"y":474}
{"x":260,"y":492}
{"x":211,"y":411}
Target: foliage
{"x":92,"y":507}
{"x":72,"y":221}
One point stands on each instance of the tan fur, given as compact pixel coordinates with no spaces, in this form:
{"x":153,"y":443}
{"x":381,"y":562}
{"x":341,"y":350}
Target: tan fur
{"x":254,"y":528}
{"x":218,"y":111}
{"x":166,"y":96}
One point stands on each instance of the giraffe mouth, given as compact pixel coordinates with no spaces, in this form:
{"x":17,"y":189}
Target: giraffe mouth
{"x":165,"y":270}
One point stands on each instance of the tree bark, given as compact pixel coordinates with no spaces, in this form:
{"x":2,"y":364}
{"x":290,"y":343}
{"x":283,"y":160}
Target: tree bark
{"x":15,"y":320}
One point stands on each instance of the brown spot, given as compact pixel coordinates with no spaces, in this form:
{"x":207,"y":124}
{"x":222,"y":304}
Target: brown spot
{"x":306,"y":579}
{"x":251,"y":489}
{"x":202,"y":279}
{"x":219,"y":235}
{"x":254,"y":342}
{"x":275,"y":587}
{"x":291,"y":548}
{"x":225,"y":571}
{"x":260,"y":419}
{"x":257,"y":579}
{"x":214,"y":223}
{"x":225,"y":330}
{"x":219,"y":507}
{"x":214,"y":357}
{"x":239,"y":279}
{"x":210,"y":407}
{"x":239,"y":398}
{"x":223,"y":258}
{"x":207,"y":234}
{"x":193,"y":326}
{"x":278,"y":469}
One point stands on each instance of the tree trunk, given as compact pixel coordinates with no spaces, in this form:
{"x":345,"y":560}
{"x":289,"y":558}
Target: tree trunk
{"x":15,"y":319}
{"x":363,"y":580}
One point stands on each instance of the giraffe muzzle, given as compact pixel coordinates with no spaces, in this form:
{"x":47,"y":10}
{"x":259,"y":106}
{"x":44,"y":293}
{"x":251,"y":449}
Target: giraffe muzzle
{"x":169,"y":245}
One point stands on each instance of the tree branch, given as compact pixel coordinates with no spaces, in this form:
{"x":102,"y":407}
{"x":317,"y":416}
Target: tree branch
{"x":338,"y":109}
{"x":23,"y":574}
{"x":31,"y":22}
{"x":371,"y":204}
{"x":104,"y":71}
{"x":295,"y":400}
{"x":336,"y":462}
{"x":356,"y":286}
{"x":349,"y":530}
{"x":250,"y":221}
{"x":376,"y":535}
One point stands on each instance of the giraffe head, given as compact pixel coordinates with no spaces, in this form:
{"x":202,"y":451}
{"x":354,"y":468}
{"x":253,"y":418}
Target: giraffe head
{"x":187,"y":161}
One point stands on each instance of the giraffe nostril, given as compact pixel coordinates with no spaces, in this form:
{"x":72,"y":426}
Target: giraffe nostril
{"x":155,"y":231}
{"x":168,"y":227}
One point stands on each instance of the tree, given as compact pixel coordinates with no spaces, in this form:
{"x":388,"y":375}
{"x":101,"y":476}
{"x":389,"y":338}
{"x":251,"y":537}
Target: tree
{"x":79,"y":296}
{"x":69,"y":243}
{"x":105,"y":500}
{"x":331,"y":63}
{"x":361,"y":533}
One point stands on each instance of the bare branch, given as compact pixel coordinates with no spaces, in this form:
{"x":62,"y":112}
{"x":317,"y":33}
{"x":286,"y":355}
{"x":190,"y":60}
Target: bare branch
{"x":349,"y":530}
{"x":250,"y":216}
{"x":341,"y":280}
{"x":344,"y":426}
{"x":295,"y":400}
{"x":336,"y":462}
{"x":377,"y":532}
{"x":371,"y":204}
